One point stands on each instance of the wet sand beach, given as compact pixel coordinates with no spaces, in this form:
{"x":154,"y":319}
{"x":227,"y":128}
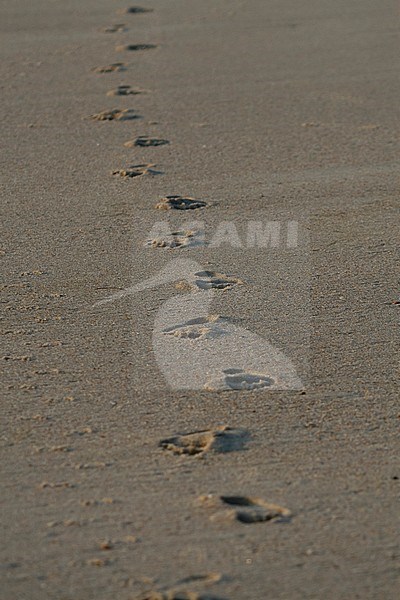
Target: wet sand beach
{"x":200,"y":300}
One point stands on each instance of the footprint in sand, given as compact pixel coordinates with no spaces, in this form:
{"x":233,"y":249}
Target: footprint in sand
{"x":134,"y":47}
{"x":115,"y":114}
{"x":236,"y":379}
{"x":244,"y":509}
{"x":177,"y":239}
{"x":180,"y":203}
{"x":137,"y":171}
{"x":210,"y":280}
{"x":222,"y":439}
{"x":134,"y":10}
{"x":206,"y":280}
{"x":119,"y":66}
{"x":115,"y":28}
{"x":205,"y":328}
{"x":145,"y":142}
{"x":177,"y":592}
{"x":176,"y":595}
{"x":125,"y":90}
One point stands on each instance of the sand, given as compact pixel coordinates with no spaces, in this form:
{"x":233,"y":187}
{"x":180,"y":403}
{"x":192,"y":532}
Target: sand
{"x":229,"y":430}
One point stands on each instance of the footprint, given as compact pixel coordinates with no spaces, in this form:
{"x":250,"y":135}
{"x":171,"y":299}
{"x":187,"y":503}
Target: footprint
{"x":208,"y":327}
{"x":136,"y":171}
{"x":119,"y":66}
{"x":134,"y":10}
{"x":206,"y":578}
{"x":222,"y":439}
{"x":176,"y":592}
{"x":236,"y":379}
{"x":145,"y":142}
{"x":134,"y":47}
{"x":213,"y":280}
{"x":115,"y":28}
{"x":180,"y":203}
{"x":244,"y":509}
{"x":115,"y":114}
{"x":124,"y":90}
{"x":177,"y":239}
{"x":176,"y":595}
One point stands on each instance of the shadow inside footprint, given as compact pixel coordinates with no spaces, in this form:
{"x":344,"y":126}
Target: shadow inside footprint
{"x":180,"y":203}
{"x":137,"y":171}
{"x":124,"y":90}
{"x":208,"y":327}
{"x":115,"y":114}
{"x":145,"y":142}
{"x":255,"y":510}
{"x":246,"y":381}
{"x":110,"y":68}
{"x":212,"y":280}
{"x":240,"y":380}
{"x":221,"y":440}
{"x":134,"y":10}
{"x":245,"y":509}
{"x":135,"y":47}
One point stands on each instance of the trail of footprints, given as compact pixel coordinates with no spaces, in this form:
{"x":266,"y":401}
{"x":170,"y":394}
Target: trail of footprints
{"x":220,"y":508}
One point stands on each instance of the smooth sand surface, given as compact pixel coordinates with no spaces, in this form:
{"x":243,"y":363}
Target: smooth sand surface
{"x":275,"y":111}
